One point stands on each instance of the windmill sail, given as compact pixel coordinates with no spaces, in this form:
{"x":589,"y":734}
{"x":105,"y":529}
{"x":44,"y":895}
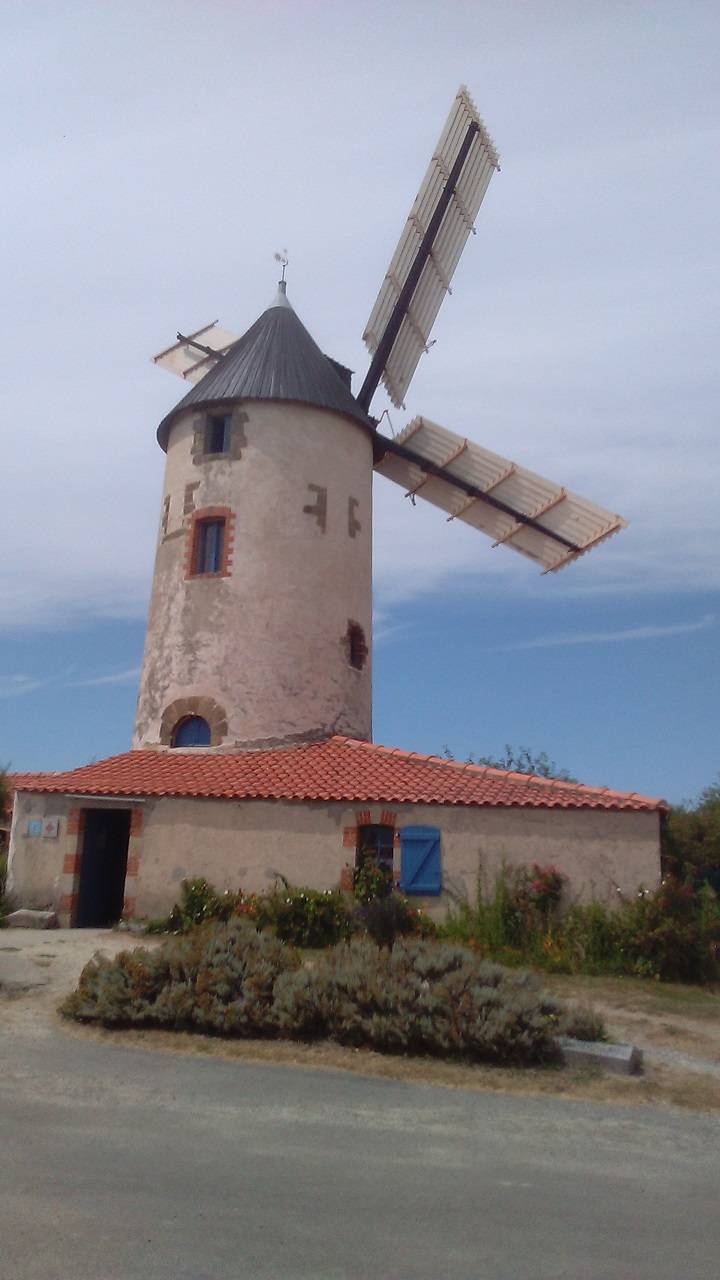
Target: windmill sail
{"x":513,"y":506}
{"x":429,"y":250}
{"x":193,"y":355}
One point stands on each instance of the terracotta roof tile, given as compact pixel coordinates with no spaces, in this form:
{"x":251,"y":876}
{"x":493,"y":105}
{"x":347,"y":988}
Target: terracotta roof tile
{"x":336,"y":769}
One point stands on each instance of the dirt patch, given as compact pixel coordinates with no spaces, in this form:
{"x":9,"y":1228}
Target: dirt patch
{"x":650,"y":1014}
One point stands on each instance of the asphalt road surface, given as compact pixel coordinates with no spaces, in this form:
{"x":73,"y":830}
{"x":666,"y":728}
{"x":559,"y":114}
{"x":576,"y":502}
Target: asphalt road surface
{"x":119,"y":1163}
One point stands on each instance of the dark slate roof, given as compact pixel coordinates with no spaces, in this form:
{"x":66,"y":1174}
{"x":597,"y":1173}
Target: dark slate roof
{"x":275,"y":360}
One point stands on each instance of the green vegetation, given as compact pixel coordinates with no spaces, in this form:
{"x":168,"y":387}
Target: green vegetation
{"x":308,"y":918}
{"x":519,"y":760}
{"x":671,"y":933}
{"x":691,"y":846}
{"x":418,"y":997}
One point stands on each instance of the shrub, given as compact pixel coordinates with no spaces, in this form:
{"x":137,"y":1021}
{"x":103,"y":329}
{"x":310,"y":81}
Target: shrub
{"x":305,"y":917}
{"x":582,"y":1024}
{"x":371,"y":881}
{"x":691,"y":843}
{"x":220,"y":977}
{"x":424,"y":998}
{"x":199,"y":902}
{"x":673,"y":933}
{"x":416,"y":998}
{"x":385,"y":919}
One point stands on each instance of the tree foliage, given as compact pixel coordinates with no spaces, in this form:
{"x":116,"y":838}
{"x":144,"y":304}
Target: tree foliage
{"x":692,"y":835}
{"x":520,"y":760}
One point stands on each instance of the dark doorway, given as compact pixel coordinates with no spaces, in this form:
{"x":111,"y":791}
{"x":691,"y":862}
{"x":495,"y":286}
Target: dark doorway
{"x":102,"y":867}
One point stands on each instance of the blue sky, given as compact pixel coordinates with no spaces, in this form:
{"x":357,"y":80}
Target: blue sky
{"x":158,"y":154}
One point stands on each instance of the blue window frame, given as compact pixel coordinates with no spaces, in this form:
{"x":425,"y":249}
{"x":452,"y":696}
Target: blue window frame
{"x":420,"y":867}
{"x":217,"y":433}
{"x":192,"y":731}
{"x":209,"y":545}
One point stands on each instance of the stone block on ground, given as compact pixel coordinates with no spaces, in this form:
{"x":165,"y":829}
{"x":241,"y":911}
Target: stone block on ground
{"x":624,"y":1059}
{"x":27,"y":919}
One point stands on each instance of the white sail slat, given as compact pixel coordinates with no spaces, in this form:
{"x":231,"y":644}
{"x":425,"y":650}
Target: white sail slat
{"x":469,"y":472}
{"x":189,"y":361}
{"x":434,"y":283}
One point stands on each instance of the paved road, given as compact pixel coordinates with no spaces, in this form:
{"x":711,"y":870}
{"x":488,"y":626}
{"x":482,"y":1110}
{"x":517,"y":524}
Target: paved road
{"x":120,"y":1163}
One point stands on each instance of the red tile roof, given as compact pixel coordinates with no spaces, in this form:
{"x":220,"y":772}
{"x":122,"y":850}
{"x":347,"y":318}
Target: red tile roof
{"x":336,"y":769}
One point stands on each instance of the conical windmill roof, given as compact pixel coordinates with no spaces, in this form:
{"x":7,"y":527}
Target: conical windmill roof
{"x":276,"y":359}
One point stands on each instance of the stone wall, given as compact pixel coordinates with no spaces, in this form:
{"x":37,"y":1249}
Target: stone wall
{"x":267,"y":639}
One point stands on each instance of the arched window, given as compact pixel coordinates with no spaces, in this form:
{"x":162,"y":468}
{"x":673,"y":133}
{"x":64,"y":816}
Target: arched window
{"x":191,"y":731}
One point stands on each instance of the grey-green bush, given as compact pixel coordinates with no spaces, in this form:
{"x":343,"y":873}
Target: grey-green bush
{"x":418,"y":998}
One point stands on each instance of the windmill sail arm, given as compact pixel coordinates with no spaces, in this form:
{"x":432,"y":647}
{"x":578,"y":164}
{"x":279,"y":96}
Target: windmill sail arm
{"x":400,"y":310}
{"x":193,"y":354}
{"x":428,"y":251}
{"x":514,"y":506}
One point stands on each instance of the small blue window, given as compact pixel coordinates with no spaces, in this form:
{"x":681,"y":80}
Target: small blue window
{"x":193,"y":731}
{"x":210,"y":536}
{"x":217,"y":433}
{"x":420,"y":870}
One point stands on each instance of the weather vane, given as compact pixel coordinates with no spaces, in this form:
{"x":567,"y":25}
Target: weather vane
{"x":282,"y":257}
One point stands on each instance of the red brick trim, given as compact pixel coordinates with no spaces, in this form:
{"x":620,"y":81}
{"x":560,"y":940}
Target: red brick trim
{"x":197,"y":518}
{"x":128,"y":910}
{"x":71,"y":864}
{"x":363,"y":818}
{"x":68,"y":902}
{"x":349,"y":837}
{"x":75,"y":822}
{"x":133,"y":867}
{"x":388,"y":818}
{"x":136,"y":822}
{"x":346,"y":879}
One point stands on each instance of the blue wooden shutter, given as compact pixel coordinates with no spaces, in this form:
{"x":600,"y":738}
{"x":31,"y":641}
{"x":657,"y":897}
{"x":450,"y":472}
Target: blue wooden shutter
{"x":420,"y":870}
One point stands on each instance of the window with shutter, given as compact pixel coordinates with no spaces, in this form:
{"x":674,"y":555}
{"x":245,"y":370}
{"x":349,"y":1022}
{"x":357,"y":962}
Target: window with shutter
{"x":420,"y":869}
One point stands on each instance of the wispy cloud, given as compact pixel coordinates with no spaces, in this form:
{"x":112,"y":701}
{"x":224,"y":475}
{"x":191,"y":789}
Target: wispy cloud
{"x":16,"y":686}
{"x":115,"y":677}
{"x":615,"y":637}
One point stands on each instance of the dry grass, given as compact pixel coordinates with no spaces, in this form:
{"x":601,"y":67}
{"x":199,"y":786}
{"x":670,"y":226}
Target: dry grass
{"x":659,"y":1085}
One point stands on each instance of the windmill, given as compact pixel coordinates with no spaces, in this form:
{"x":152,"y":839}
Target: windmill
{"x":264,"y":691}
{"x":512,"y":505}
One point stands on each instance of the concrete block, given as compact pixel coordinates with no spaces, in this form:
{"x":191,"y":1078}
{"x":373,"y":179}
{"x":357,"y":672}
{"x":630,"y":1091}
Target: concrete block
{"x":27,"y":919}
{"x":624,"y":1059}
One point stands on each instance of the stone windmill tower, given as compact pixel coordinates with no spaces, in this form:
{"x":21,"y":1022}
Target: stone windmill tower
{"x":259,"y":632}
{"x":260,"y":616}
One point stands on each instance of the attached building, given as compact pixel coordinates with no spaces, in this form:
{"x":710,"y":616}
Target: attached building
{"x":116,"y":838}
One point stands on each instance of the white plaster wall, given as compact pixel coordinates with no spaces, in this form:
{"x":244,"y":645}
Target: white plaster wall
{"x":267,"y":642}
{"x":35,"y":864}
{"x":245,"y":844}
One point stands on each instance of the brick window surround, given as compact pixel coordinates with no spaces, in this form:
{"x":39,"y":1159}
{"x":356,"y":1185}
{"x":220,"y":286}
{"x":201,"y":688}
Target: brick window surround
{"x":198,"y":517}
